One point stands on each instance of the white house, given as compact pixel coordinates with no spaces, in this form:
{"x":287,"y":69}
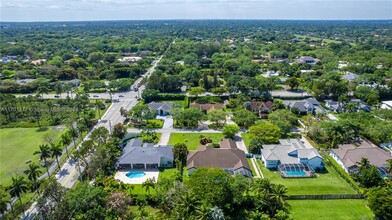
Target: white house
{"x":162,"y":108}
{"x":290,"y":151}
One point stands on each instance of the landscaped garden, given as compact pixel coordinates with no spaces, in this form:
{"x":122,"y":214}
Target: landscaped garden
{"x":17,"y":147}
{"x":324,"y":183}
{"x":192,"y":140}
{"x":330,"y":209}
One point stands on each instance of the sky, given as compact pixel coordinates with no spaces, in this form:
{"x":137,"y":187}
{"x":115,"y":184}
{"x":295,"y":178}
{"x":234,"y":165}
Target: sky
{"x":81,"y":10}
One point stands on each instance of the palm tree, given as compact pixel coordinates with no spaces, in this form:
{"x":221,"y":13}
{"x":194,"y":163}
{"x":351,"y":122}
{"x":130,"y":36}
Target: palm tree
{"x":44,"y":154}
{"x":389,"y":165}
{"x":148,"y":184}
{"x":76,"y":156}
{"x":277,"y":200}
{"x":3,"y":203}
{"x":73,"y":133}
{"x":56,"y":151}
{"x":363,"y":164}
{"x":33,"y":173}
{"x":65,"y":140}
{"x":19,"y":186}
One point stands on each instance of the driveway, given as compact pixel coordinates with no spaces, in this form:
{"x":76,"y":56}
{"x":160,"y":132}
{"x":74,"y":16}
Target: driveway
{"x":168,"y":121}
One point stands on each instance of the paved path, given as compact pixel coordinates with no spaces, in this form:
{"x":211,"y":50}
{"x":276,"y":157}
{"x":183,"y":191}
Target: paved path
{"x":241,"y":145}
{"x":165,"y":137}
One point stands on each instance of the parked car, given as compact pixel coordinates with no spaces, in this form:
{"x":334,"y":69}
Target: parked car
{"x":249,"y":155}
{"x":121,"y":96}
{"x":135,"y":89}
{"x":56,"y":96}
{"x":95,"y":95}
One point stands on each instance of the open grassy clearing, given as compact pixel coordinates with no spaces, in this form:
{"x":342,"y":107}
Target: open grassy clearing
{"x":18,"y":146}
{"x":330,"y":209}
{"x":324,"y":183}
{"x":192,"y":140}
{"x":246,"y":138}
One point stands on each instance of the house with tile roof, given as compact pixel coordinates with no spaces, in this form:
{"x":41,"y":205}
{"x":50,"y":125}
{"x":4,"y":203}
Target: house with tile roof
{"x":348,"y":155}
{"x":206,"y":107}
{"x":139,"y":155}
{"x":228,"y":157}
{"x":162,"y":108}
{"x":290,"y":151}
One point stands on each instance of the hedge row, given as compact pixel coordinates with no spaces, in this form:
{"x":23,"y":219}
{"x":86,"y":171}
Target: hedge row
{"x":170,"y":96}
{"x":325,"y":197}
{"x":342,"y":173}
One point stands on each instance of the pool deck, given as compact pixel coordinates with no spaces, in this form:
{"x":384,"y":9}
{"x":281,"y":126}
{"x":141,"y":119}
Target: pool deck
{"x":150,"y":174}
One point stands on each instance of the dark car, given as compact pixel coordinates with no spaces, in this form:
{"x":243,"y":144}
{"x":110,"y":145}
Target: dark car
{"x":121,"y":96}
{"x":249,"y":155}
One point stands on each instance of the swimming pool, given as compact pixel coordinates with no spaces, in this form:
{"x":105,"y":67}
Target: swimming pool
{"x":295,"y":173}
{"x":135,"y":174}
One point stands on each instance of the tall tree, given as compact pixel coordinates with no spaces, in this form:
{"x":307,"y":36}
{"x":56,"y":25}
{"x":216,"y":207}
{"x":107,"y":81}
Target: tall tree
{"x":33,"y":173}
{"x":180,"y":152}
{"x":56,"y":152}
{"x":44,"y":154}
{"x":148,"y":184}
{"x":18,"y":187}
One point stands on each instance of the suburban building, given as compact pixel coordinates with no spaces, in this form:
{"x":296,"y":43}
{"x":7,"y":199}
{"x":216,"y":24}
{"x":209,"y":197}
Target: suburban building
{"x":386,"y":105}
{"x":309,"y":105}
{"x":139,"y":155}
{"x":129,"y":59}
{"x":348,"y":155}
{"x":307,"y":59}
{"x":8,"y":59}
{"x":162,"y":108}
{"x":38,"y":62}
{"x":228,"y":157}
{"x":350,"y":76}
{"x":290,"y":151}
{"x":206,"y":107}
{"x":339,"y":107}
{"x":259,"y":107}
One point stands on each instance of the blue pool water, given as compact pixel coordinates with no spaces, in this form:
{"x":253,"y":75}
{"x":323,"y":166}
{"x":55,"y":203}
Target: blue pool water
{"x":295,"y":173}
{"x":137,"y":174}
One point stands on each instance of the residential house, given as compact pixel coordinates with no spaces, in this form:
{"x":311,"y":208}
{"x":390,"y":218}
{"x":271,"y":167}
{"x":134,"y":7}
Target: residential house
{"x":259,"y":107}
{"x":350,"y":76}
{"x":309,"y":105}
{"x":360,"y":105}
{"x":335,"y":106}
{"x":38,"y":62}
{"x":307,"y":59}
{"x":162,"y":108}
{"x":206,"y":107}
{"x":228,"y":157}
{"x":129,"y":59}
{"x":386,"y":105}
{"x":348,"y":155}
{"x":339,"y":107}
{"x":290,"y":151}
{"x":137,"y":155}
{"x":8,"y":59}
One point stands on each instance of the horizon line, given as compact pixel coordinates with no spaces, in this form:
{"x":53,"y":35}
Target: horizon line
{"x":202,"y":19}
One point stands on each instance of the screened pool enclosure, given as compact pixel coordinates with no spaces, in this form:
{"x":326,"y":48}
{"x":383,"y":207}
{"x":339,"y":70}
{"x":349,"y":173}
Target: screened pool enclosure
{"x":295,"y":170}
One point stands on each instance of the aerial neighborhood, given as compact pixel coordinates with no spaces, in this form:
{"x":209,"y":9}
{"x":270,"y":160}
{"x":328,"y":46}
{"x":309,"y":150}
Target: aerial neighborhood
{"x":203,"y":119}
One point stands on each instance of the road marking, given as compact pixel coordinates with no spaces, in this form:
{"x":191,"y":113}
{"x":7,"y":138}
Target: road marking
{"x":70,"y":175}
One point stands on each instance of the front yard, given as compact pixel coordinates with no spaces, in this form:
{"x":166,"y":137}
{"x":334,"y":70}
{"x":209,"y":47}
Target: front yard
{"x":330,"y":209}
{"x":324,"y":183}
{"x":192,"y":140}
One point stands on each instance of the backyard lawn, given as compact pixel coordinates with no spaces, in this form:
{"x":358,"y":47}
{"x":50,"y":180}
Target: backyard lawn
{"x":325,"y":183}
{"x":192,"y":140}
{"x":330,"y":209}
{"x":18,"y":146}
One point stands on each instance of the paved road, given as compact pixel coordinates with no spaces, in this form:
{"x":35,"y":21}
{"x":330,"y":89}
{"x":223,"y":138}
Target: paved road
{"x":69,"y":173}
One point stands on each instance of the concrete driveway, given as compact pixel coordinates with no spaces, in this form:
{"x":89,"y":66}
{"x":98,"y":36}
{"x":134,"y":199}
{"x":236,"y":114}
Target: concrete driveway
{"x":167,"y":121}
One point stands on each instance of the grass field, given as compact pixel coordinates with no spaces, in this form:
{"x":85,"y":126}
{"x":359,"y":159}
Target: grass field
{"x":192,"y":140}
{"x":330,"y":209}
{"x":18,"y":146}
{"x":325,"y":183}
{"x":181,"y":103}
{"x":251,"y":167}
{"x":246,"y":138}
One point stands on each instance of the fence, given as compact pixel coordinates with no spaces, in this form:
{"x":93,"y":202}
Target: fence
{"x":325,"y":197}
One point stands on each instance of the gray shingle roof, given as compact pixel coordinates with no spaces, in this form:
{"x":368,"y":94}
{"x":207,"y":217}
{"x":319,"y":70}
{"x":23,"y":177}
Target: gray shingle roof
{"x":160,"y":105}
{"x":135,"y":153}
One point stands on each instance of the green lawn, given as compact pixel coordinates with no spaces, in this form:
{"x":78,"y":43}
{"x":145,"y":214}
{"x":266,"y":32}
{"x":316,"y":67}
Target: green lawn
{"x":192,"y":140}
{"x":181,"y":103}
{"x":18,"y":146}
{"x":251,"y":167}
{"x":246,"y":138}
{"x":330,"y":209}
{"x":325,"y":183}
